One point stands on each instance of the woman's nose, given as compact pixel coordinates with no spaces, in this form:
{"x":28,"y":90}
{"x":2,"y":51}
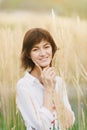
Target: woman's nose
{"x":42,"y":52}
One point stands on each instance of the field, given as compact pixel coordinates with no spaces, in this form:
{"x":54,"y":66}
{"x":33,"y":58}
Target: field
{"x":70,"y":61}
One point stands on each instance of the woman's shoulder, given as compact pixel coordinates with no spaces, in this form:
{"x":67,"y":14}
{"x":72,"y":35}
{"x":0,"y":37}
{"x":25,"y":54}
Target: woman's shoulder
{"x":24,"y":81}
{"x":20,"y":83}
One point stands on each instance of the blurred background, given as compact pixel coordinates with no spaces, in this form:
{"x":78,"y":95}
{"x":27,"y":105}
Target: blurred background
{"x":66,"y":20}
{"x":61,"y":7}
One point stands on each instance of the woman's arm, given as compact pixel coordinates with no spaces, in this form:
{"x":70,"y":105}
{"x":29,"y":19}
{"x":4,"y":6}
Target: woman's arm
{"x":64,"y":111}
{"x":34,"y":116}
{"x":49,"y":82}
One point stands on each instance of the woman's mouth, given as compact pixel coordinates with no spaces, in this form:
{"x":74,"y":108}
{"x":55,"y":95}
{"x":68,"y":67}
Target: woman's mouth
{"x":43,"y":59}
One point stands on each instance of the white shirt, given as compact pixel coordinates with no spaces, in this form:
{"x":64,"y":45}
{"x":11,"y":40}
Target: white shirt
{"x":29,"y":101}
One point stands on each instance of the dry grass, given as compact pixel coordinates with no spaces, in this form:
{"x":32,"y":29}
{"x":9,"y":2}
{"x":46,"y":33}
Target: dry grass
{"x":70,"y":35}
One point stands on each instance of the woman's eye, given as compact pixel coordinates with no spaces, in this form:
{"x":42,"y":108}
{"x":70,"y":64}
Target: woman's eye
{"x":47,"y":46}
{"x":35,"y":49}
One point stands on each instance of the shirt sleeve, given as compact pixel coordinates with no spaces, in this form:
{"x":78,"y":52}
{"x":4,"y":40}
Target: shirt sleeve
{"x":36,"y":117}
{"x":66,"y":100}
{"x":61,"y":86}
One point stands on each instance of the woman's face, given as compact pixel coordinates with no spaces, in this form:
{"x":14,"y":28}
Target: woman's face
{"x":42,"y":54}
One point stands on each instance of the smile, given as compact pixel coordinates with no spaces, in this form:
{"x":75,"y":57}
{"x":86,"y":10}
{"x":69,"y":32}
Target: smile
{"x":43,"y":59}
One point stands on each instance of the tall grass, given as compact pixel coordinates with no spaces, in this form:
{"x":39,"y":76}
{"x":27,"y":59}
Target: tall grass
{"x":71,"y":63}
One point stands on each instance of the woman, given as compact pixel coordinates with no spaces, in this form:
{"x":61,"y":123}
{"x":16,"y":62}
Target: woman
{"x":40,"y":93}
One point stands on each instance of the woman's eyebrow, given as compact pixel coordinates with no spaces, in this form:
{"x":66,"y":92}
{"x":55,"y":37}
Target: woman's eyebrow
{"x":35,"y":46}
{"x":44,"y":44}
{"x":47,"y":44}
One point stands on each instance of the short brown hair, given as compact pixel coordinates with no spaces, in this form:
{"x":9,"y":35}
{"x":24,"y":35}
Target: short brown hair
{"x":32,"y":37}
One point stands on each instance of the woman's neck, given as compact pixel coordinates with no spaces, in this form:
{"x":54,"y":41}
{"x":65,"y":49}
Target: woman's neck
{"x":36,"y":73}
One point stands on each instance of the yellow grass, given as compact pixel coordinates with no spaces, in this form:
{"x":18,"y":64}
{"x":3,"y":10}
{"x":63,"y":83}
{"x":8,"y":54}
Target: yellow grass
{"x":70,"y":35}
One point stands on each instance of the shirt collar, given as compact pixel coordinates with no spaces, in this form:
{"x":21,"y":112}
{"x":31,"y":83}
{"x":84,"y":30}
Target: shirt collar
{"x":29,"y":76}
{"x":32,"y":78}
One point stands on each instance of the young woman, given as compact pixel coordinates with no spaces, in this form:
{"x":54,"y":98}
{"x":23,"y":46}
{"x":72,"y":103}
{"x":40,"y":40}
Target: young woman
{"x":38,"y":92}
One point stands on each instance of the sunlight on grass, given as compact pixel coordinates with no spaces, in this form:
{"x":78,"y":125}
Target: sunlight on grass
{"x":70,"y":35}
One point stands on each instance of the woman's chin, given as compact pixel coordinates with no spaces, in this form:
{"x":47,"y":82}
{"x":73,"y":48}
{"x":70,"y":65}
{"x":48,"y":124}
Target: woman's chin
{"x":44,"y":66}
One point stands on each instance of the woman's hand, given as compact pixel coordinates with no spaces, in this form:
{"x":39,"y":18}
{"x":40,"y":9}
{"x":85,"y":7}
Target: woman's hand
{"x":48,"y":78}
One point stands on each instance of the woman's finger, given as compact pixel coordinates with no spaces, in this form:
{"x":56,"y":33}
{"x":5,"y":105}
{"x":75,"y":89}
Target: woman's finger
{"x":38,"y":66}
